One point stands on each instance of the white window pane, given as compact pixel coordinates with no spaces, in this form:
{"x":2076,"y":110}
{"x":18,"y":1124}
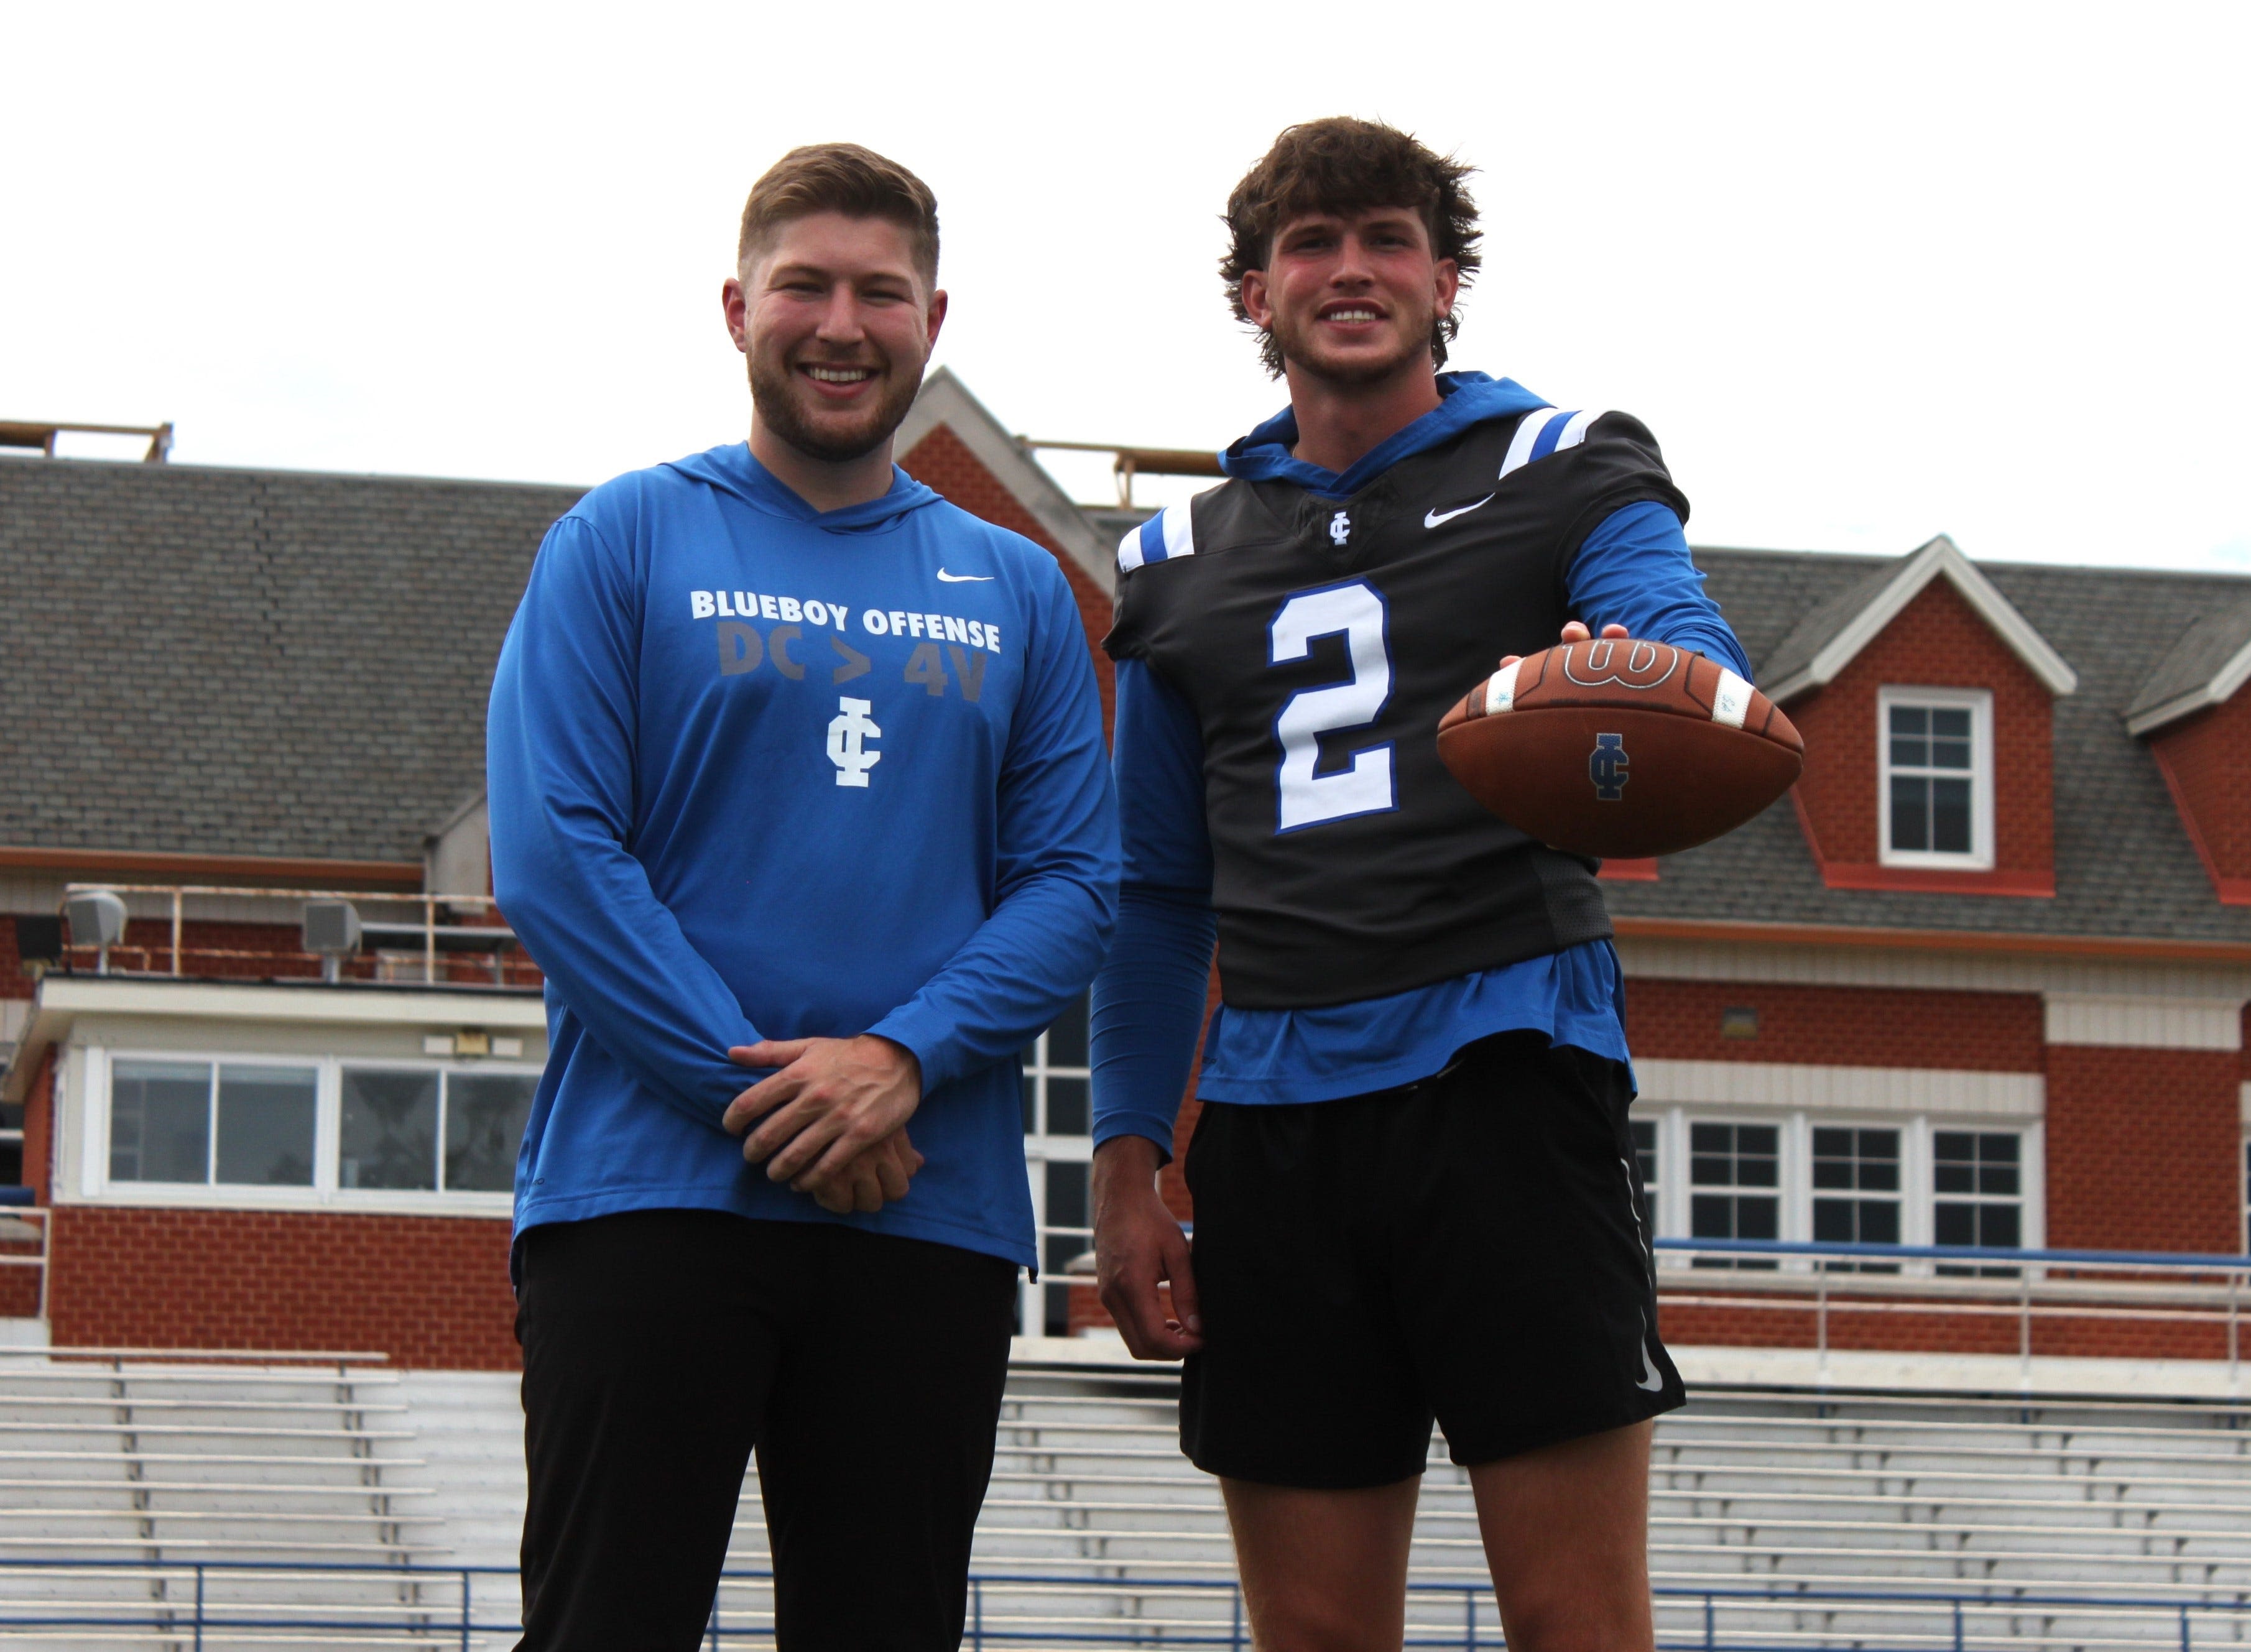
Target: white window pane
{"x":1729,"y":1165}
{"x":1976,"y":1182}
{"x":1066,"y":1208}
{"x":1069,"y":1108}
{"x":389,"y":1128}
{"x":1949,"y":816}
{"x":485,"y":1115}
{"x":1645,"y":1154}
{"x":1067,"y":1037}
{"x":1910,"y":812}
{"x":266,"y":1125}
{"x":160,"y":1122}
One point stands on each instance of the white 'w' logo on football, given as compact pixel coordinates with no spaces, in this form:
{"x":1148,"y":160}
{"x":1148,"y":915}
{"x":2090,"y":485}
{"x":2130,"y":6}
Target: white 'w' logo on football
{"x":1639,"y":664}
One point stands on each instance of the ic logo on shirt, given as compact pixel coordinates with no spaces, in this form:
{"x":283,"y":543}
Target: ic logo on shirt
{"x":848,"y":734}
{"x":1606,"y":767}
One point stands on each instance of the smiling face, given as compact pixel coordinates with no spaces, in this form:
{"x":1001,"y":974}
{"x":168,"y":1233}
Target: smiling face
{"x":1350,"y":298}
{"x":837,"y":320}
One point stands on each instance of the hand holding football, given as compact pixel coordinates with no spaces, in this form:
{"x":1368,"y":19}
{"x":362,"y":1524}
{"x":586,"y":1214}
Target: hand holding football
{"x":1620,"y":748}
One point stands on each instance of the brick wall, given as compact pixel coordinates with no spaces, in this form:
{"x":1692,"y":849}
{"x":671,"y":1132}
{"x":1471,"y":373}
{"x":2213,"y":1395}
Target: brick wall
{"x":1793,"y":1326}
{"x":430,"y":1291}
{"x":2206,"y":762}
{"x":14,"y":983}
{"x":2144,"y":1148}
{"x":39,"y":1128}
{"x":942,"y":462}
{"x":1936,"y":641}
{"x":1838,"y":1026}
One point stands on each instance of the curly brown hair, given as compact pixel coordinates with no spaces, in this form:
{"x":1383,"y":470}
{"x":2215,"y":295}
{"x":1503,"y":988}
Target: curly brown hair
{"x":1343,"y":165}
{"x":840,"y":178}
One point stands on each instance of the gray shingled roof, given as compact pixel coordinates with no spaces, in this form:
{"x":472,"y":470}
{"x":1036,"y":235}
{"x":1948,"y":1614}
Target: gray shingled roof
{"x":249,"y":662}
{"x":2204,"y":650}
{"x":1822,"y":622}
{"x":262,"y":662}
{"x":2124,"y":865}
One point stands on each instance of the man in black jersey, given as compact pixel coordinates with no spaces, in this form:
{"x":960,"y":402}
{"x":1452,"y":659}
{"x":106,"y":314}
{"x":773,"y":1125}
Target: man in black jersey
{"x":1415,"y":1191}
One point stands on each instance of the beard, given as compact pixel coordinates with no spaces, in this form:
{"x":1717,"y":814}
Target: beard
{"x":775,"y":393}
{"x":1301,"y":352}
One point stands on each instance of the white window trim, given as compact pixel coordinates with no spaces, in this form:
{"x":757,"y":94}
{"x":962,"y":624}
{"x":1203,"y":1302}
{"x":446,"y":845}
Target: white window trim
{"x":1042,"y":1150}
{"x":1918,"y":1198}
{"x":1675,"y":1193}
{"x":1979,"y":703}
{"x":94,"y":1186}
{"x":1914,"y":1170}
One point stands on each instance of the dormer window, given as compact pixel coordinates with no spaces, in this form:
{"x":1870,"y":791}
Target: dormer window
{"x":1936,"y":780}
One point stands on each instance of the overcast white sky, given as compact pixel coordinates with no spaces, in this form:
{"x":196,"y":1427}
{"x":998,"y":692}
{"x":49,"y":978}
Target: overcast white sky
{"x":1870,"y":272}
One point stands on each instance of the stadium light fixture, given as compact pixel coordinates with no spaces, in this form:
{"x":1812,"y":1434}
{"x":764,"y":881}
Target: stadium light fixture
{"x":97,"y":919}
{"x":331,"y":929}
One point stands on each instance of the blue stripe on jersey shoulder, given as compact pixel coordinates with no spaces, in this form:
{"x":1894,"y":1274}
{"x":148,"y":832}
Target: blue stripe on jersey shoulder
{"x":1544,"y":444}
{"x":1167,"y":535}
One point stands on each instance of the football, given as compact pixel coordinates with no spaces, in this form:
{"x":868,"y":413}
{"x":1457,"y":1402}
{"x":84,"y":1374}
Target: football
{"x":1620,"y":748}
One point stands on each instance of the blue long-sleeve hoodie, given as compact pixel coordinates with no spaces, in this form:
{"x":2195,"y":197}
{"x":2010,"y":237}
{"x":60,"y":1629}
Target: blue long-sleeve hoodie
{"x":761,"y":771}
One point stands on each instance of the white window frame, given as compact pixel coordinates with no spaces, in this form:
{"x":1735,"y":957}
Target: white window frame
{"x":1908,"y":1158}
{"x":1792,"y":1215}
{"x":1979,"y":703}
{"x":95,"y":1185}
{"x":1042,"y":1150}
{"x":1918,"y":1195}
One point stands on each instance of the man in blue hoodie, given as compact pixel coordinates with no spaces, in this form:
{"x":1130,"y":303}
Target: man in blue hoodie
{"x":796,"y":776}
{"x":1414,"y":1180}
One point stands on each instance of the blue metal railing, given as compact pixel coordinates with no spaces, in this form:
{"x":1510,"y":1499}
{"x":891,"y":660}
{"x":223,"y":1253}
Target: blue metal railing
{"x":1923,"y":1618}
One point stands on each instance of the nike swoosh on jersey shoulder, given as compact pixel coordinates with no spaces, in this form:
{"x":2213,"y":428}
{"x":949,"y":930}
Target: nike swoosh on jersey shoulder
{"x":963,"y":579}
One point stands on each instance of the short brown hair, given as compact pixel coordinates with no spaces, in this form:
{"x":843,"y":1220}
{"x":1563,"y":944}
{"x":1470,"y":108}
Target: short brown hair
{"x":1343,"y":165}
{"x":840,"y":178}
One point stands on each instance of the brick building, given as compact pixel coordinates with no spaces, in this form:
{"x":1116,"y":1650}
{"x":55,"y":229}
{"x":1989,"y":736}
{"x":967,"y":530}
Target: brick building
{"x":1981,"y":979}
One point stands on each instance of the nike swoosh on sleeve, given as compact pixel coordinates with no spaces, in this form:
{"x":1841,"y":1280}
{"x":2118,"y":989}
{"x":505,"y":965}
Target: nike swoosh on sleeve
{"x":1431,"y":519}
{"x":966,"y":579}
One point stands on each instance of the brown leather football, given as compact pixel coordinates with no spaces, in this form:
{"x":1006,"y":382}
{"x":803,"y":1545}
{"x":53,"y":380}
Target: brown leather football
{"x":1620,"y":748}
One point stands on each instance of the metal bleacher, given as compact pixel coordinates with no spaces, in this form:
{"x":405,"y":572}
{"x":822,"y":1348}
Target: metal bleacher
{"x":1778,"y":1517}
{"x":346,"y":1505}
{"x":135,"y":1486}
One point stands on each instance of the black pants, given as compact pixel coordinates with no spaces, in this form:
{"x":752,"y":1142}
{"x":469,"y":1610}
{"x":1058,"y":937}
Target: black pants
{"x":661,"y":1347}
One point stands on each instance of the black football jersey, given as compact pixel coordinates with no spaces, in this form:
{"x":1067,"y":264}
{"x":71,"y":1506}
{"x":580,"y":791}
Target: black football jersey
{"x":1318,"y":643}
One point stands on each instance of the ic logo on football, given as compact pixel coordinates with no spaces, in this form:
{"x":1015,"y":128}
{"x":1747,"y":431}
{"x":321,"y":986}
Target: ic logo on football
{"x":1606,"y":766}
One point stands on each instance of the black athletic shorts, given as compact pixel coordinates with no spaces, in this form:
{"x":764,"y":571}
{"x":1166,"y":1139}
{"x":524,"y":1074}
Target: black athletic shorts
{"x":661,"y":1347}
{"x":1472,"y":1248}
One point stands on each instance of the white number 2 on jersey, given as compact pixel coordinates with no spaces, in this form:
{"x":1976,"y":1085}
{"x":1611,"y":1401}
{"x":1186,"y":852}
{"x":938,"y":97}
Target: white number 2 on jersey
{"x":1305,"y":798}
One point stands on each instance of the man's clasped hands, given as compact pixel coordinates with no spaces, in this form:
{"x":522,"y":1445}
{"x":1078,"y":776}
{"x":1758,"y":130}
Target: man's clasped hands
{"x":830,"y":1120}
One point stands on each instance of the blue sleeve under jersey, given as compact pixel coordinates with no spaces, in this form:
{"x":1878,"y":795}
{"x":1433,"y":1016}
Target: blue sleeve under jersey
{"x":1634,"y":570}
{"x":1148,"y":998}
